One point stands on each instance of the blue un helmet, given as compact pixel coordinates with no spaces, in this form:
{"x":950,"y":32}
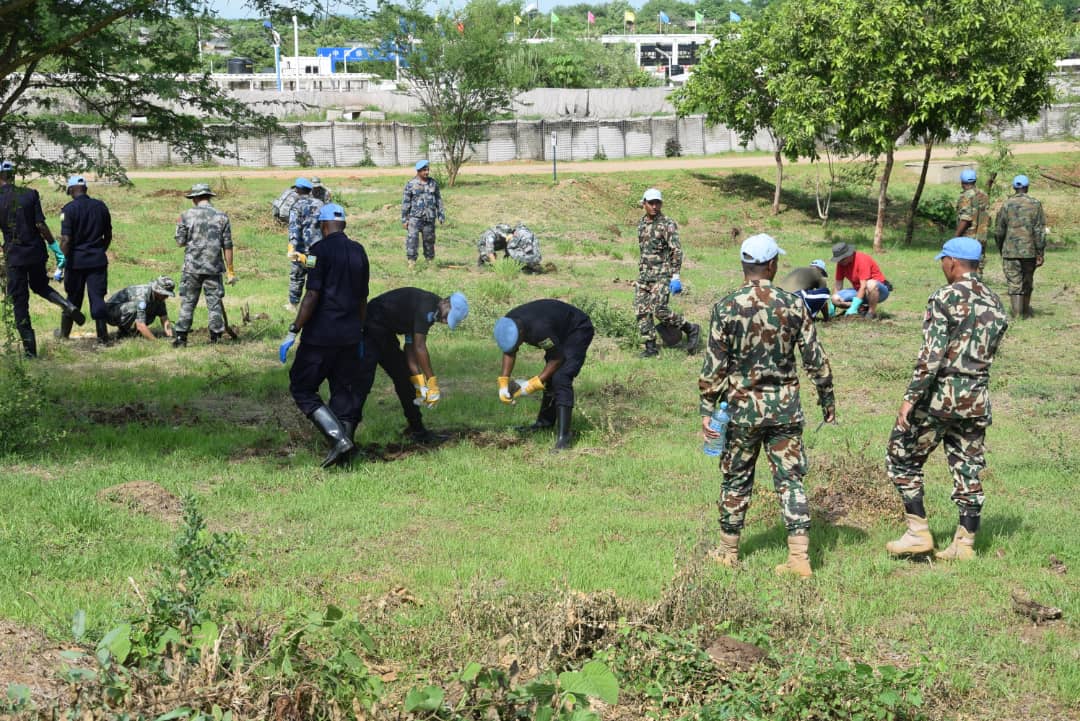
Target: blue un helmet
{"x":967,"y":175}
{"x":506,"y":334}
{"x":1020,"y":181}
{"x":303,"y":183}
{"x":459,"y":310}
{"x":332,"y":211}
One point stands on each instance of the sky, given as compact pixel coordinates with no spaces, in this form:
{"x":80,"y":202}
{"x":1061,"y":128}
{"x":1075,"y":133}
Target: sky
{"x":237,"y":8}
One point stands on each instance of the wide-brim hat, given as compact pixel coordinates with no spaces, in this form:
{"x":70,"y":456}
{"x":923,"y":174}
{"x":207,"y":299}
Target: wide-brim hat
{"x":200,"y":190}
{"x":841,"y":251}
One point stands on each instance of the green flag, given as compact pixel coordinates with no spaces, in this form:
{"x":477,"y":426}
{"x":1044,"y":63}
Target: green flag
{"x":698,"y":17}
{"x":554,"y":17}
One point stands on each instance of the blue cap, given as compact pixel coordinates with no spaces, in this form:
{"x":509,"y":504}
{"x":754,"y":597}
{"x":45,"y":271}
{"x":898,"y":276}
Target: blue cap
{"x":1020,"y":181}
{"x":459,"y":310}
{"x":421,"y":164}
{"x":76,"y":180}
{"x":6,"y":166}
{"x":506,"y":334}
{"x":267,"y":24}
{"x":820,"y":265}
{"x":962,"y":248}
{"x":303,"y":183}
{"x":332,"y":211}
{"x":967,"y":175}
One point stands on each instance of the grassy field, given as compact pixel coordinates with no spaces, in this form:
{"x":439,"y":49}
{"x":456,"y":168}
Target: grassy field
{"x":447,"y":552}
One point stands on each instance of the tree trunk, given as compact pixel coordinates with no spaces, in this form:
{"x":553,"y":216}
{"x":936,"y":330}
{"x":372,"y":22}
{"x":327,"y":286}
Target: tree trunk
{"x":910,"y":231}
{"x":779,"y":179}
{"x":882,"y":200}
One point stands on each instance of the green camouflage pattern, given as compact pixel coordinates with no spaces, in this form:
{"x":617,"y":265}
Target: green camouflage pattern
{"x":974,"y":207}
{"x":651,"y":301}
{"x":1019,"y":275}
{"x":203,"y":232}
{"x":421,"y":199}
{"x":661,"y":253}
{"x":965,"y":451}
{"x":962,"y":329}
{"x":750,"y":357}
{"x":784,"y":450}
{"x":1020,"y":229}
{"x":191,"y":284}
{"x":134,"y":304}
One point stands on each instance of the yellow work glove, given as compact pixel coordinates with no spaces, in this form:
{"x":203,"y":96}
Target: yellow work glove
{"x":433,"y":392}
{"x":504,"y":390}
{"x":420,"y":384}
{"x":230,"y":276}
{"x":533,"y":385}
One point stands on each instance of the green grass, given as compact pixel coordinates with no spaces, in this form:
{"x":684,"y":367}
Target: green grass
{"x":494,"y":515}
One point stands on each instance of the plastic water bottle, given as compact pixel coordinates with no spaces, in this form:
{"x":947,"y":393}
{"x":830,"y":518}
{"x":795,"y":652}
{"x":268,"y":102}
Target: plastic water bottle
{"x":719,"y":423}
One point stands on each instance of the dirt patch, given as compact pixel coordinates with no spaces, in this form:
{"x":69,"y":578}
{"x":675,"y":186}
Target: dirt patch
{"x":399,"y":450}
{"x":167,"y":193}
{"x":733,"y":655}
{"x":854,"y":487}
{"x":29,"y":659}
{"x":144,"y":497}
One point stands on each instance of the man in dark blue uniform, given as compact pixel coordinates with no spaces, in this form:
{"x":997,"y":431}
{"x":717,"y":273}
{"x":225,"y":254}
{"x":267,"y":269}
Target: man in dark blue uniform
{"x":25,"y":235}
{"x":409,"y":312}
{"x":331,"y":316}
{"x":85,"y":235}
{"x":564,"y":333}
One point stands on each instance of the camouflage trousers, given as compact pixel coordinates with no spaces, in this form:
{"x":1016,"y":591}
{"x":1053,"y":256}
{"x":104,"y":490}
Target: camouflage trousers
{"x":297,"y":276}
{"x":191,"y":284}
{"x":1019,"y":274}
{"x":784,"y":450}
{"x":651,"y":300}
{"x":964,"y":441}
{"x":418,"y":227}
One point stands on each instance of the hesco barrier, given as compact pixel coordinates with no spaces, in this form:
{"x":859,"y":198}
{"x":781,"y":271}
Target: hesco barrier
{"x":345,"y":144}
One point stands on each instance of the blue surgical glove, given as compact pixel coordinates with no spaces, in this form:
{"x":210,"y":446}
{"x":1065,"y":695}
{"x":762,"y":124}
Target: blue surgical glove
{"x":854,"y":309}
{"x":675,"y":285}
{"x":286,"y":344}
{"x":58,"y":275}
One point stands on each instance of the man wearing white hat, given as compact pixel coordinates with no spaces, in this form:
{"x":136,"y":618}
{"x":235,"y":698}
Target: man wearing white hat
{"x":750,"y":364}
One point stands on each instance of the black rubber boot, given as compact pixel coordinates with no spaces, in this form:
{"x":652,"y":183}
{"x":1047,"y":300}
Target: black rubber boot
{"x":340,"y":444}
{"x":419,"y":434}
{"x":350,"y":433}
{"x":545,"y":418}
{"x":70,"y":311}
{"x":693,"y":337}
{"x":915,"y":507}
{"x":64,"y":331}
{"x":102,"y":332}
{"x":564,"y":437}
{"x":650,"y":351}
{"x":1026,"y":307}
{"x":969,"y":523}
{"x":179,"y":339}
{"x":214,"y":337}
{"x":29,"y":341}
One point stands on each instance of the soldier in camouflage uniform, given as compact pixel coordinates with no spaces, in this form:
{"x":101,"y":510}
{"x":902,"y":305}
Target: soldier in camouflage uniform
{"x":1020,"y":232}
{"x":421,"y":203}
{"x":205,"y":235}
{"x":658,"y":276}
{"x":973,"y":212}
{"x":303,"y":233}
{"x":750,"y":363}
{"x":518,"y":243}
{"x":320,"y":191}
{"x":134,"y":309}
{"x":948,"y":401}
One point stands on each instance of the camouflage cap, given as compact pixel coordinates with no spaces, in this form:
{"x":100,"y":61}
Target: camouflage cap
{"x":200,"y":190}
{"x":163,"y":285}
{"x":315,"y":181}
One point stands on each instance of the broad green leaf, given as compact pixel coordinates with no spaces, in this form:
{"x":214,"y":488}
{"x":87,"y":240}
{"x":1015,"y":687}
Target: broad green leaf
{"x":429,"y":698}
{"x":204,"y":636}
{"x":117,"y":642}
{"x":182,"y":712}
{"x":171,"y":635}
{"x":594,"y":680}
{"x":78,"y":624}
{"x":470,"y":672}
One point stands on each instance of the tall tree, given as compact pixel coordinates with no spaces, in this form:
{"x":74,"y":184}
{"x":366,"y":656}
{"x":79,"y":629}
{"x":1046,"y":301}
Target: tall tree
{"x":111,"y":59}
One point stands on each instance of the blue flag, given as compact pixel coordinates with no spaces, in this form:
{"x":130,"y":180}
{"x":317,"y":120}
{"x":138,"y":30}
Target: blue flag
{"x":733,"y":17}
{"x":664,"y":18}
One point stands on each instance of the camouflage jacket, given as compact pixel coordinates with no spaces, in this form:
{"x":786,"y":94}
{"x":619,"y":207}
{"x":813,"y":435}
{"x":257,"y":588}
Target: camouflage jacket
{"x":135,"y":304}
{"x":750,"y":357}
{"x":974,"y":207}
{"x":203,"y":232}
{"x":661,"y":253}
{"x":304,"y":229}
{"x":962,"y":328}
{"x":523,"y":246}
{"x":1020,"y":230}
{"x":421,"y":199}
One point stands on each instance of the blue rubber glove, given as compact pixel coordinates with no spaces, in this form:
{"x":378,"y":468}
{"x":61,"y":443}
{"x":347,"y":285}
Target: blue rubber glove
{"x":854,"y":309}
{"x":58,"y":275}
{"x":675,"y":285}
{"x":286,"y":344}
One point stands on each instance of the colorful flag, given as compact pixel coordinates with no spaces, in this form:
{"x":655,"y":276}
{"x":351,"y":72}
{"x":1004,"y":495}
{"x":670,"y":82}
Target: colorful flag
{"x":733,"y":17}
{"x":698,"y":17}
{"x":517,"y":19}
{"x":664,"y":18}
{"x":592,"y":18}
{"x":554,"y":17}
{"x":461,"y":27}
{"x":628,"y":17}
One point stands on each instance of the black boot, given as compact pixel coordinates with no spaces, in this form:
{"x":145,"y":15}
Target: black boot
{"x":102,"y":332}
{"x":179,"y":339}
{"x":214,"y":337}
{"x":419,"y":434}
{"x":64,"y":331}
{"x":340,"y":444}
{"x":29,"y":341}
{"x":70,"y":311}
{"x":1016,"y":305}
{"x":350,"y":433}
{"x":545,"y":418}
{"x":650,"y":350}
{"x":564,"y":436}
{"x":1025,"y":306}
{"x":693,"y":337}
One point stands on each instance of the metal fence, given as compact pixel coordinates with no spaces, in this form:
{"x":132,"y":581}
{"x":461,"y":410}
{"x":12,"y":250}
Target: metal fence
{"x":350,"y":144}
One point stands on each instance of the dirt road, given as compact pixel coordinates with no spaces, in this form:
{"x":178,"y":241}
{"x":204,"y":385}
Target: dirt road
{"x":730,"y":160}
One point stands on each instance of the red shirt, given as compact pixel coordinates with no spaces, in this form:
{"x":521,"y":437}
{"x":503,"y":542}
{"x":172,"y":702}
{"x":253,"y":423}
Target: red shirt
{"x":862,"y":267}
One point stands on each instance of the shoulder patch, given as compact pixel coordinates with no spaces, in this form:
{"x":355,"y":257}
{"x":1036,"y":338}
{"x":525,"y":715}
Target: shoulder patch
{"x":142,"y":305}
{"x":546,"y":344}
{"x":310,"y":262}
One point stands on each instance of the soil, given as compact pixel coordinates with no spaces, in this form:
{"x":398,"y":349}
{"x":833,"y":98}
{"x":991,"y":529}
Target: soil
{"x":854,"y":487}
{"x":144,"y":497}
{"x":733,"y":655}
{"x":28,"y":658}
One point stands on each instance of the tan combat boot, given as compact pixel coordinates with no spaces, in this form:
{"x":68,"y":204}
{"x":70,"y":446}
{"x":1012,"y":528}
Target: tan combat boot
{"x":798,"y":561}
{"x":962,"y":547}
{"x":917,"y":540}
{"x":727,"y":553}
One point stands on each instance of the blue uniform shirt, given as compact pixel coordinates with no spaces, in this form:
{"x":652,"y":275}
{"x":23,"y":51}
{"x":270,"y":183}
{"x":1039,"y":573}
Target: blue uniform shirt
{"x":87,"y":223}
{"x":338,"y":270}
{"x":20,"y":212}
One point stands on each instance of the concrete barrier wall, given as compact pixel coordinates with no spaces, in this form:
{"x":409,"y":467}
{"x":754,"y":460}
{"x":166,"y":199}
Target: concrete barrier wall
{"x":350,"y":144}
